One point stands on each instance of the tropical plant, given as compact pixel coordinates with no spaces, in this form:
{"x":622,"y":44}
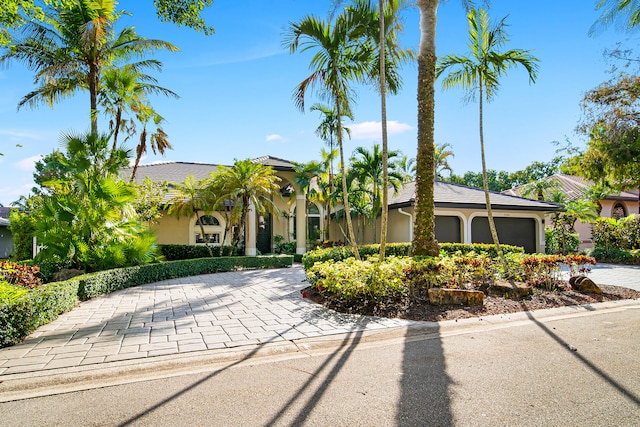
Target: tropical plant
{"x":368,"y":167}
{"x":159,"y":139}
{"x":86,"y":218}
{"x":69,"y":52}
{"x":247,"y":184}
{"x":441,"y":161}
{"x":125,"y":89}
{"x":406,"y":167}
{"x":479,"y":74}
{"x":383,"y":26}
{"x":624,"y":12}
{"x":191,"y":198}
{"x":340,"y":59}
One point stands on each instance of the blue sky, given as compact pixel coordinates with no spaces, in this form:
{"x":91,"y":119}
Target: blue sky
{"x":236,"y":88}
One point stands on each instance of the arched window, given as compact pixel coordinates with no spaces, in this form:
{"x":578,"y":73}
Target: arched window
{"x":618,"y":211}
{"x":213,"y":230}
{"x":208,"y":220}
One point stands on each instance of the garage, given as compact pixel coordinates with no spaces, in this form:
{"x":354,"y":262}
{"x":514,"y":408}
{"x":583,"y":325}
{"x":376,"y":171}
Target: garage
{"x":511,"y":231}
{"x":447,"y":229}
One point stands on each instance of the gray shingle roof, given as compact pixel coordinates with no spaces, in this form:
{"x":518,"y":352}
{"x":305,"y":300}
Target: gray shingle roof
{"x":4,"y":211}
{"x":574,"y":188}
{"x":4,"y":222}
{"x":460,"y":196}
{"x":170,"y":171}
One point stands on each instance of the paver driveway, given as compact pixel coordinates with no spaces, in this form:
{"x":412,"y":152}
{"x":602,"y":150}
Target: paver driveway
{"x":183,"y":315}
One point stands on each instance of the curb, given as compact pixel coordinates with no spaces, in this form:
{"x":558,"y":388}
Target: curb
{"x":65,"y":380}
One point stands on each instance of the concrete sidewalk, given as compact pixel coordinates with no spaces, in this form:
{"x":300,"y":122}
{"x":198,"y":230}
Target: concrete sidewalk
{"x":215,"y":311}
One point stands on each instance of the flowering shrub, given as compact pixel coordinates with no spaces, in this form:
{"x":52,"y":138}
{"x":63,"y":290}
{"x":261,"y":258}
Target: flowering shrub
{"x":19,"y":274}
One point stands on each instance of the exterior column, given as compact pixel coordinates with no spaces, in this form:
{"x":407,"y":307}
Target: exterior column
{"x":250,"y":238}
{"x":301,"y":223}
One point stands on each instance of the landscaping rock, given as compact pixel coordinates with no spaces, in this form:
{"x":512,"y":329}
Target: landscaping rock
{"x":445,"y":296}
{"x":585,"y":285}
{"x":509,"y":289}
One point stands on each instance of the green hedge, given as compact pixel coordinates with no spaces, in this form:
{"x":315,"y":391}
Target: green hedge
{"x":20,"y":317}
{"x":178,"y":252}
{"x":398,"y":249}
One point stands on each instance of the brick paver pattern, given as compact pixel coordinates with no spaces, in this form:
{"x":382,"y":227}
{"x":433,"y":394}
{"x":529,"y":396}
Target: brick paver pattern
{"x":211,"y":311}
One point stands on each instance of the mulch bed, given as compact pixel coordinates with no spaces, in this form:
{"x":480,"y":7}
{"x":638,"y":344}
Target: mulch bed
{"x":420,"y":309}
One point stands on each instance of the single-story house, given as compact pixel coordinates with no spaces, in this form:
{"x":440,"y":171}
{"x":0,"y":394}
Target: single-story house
{"x":617,"y":205}
{"x":460,"y":214}
{"x":6,"y":238}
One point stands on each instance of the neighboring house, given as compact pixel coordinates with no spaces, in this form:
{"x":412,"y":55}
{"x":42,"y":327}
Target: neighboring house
{"x":6,"y":238}
{"x":618,"y":205}
{"x":460,"y":214}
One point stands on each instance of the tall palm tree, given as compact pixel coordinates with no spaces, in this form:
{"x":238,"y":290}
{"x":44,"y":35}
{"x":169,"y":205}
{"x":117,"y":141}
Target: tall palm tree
{"x":248,"y":183}
{"x":383,"y":26}
{"x":69,"y":54}
{"x":340,"y":59}
{"x":368,"y":167}
{"x":480,"y":74}
{"x":190,"y":197}
{"x":440,"y":161}
{"x":406,"y":167}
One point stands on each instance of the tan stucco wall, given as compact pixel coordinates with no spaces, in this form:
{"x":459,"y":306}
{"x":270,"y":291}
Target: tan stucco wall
{"x":171,"y":230}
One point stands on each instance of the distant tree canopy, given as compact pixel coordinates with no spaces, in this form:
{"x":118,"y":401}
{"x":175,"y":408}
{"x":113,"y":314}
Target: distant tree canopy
{"x":503,"y":180}
{"x":183,"y":13}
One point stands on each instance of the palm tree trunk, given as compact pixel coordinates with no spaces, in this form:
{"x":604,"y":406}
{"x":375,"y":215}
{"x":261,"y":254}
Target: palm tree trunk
{"x":485,"y":183}
{"x":93,"y":95}
{"x":345,"y":194}
{"x":424,"y":242}
{"x":385,"y":148}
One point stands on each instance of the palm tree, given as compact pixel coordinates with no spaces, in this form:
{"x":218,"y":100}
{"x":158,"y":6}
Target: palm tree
{"x":340,"y":59}
{"x":383,"y":26}
{"x":368,"y":167}
{"x":481,"y":73}
{"x":406,"y":167}
{"x":441,"y":162}
{"x":625,"y":12}
{"x":70,"y":54}
{"x":159,"y":139}
{"x":248,"y":183}
{"x":124,"y":88}
{"x":190,"y":198}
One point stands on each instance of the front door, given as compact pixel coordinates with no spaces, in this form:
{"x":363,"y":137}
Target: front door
{"x":263,"y":240}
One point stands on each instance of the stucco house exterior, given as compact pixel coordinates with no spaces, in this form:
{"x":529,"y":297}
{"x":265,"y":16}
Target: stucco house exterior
{"x":6,"y":238}
{"x":618,"y":205}
{"x":460,"y":214}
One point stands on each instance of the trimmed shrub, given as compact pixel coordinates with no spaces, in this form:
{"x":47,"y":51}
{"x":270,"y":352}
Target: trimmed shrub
{"x":179,"y":252}
{"x":21,"y":316}
{"x":615,"y":255}
{"x":553,"y":243}
{"x":368,"y":281}
{"x":340,"y":253}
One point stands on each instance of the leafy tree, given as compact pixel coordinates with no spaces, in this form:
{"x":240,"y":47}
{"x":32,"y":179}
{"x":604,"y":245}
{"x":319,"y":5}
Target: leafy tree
{"x":150,"y":200}
{"x":480,"y":74}
{"x":71,"y":50}
{"x":340,"y":59}
{"x":86,"y":217}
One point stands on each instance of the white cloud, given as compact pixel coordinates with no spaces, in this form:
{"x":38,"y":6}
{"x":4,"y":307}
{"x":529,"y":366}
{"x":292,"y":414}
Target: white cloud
{"x":28,"y":164}
{"x":373,"y":130}
{"x":274,"y":137}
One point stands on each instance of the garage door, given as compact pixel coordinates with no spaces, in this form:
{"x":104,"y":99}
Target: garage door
{"x":511,"y":231}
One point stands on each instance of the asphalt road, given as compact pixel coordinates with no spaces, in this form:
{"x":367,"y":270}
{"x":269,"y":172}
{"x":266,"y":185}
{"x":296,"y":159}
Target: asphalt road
{"x":577,"y":369}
